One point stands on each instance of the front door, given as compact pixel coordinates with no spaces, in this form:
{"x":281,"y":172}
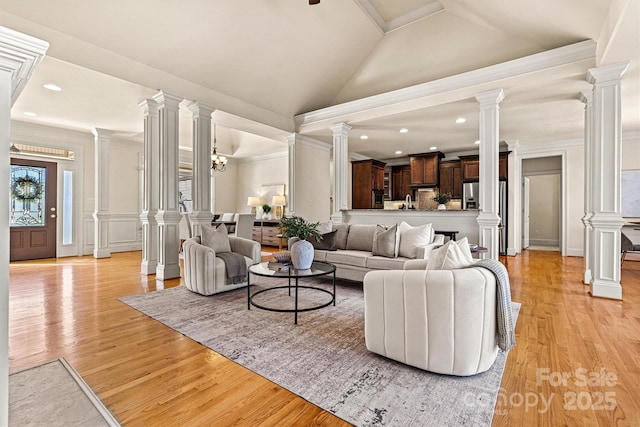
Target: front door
{"x":32,"y":209}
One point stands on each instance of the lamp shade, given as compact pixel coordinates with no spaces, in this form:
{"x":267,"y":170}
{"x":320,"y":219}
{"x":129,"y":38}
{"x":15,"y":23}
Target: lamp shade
{"x":278,"y":201}
{"x":254,"y":201}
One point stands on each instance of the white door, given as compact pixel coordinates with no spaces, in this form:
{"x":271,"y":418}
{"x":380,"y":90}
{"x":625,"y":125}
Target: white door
{"x":525,"y":212}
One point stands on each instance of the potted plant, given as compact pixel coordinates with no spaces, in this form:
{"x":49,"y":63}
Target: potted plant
{"x":297,"y":230}
{"x":266,"y":209}
{"x":442,"y":198}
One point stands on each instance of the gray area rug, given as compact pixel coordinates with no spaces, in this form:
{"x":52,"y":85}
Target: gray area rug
{"x":54,"y":394}
{"x":324,"y":358}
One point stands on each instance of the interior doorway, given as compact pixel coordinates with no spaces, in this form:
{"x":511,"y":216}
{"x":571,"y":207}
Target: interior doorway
{"x":32,"y":209}
{"x":542,"y":203}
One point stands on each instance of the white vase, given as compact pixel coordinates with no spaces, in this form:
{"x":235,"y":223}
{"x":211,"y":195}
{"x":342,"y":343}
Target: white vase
{"x":441,"y":207}
{"x":301,"y":255}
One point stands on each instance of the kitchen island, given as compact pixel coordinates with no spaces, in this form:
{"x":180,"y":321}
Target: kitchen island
{"x":463,"y":221}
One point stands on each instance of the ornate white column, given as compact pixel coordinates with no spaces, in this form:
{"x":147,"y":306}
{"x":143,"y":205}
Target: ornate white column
{"x":488,"y":218}
{"x":101,"y":214}
{"x":168,"y":215}
{"x":19,"y":56}
{"x":606,"y":164}
{"x":291,"y":201}
{"x":201,"y":189}
{"x":587,"y":98}
{"x":151,"y":188}
{"x":514,"y":191}
{"x":340,"y":170}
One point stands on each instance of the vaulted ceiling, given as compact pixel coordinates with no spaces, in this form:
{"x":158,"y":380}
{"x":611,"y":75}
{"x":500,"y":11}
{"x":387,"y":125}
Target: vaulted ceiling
{"x":263,"y":63}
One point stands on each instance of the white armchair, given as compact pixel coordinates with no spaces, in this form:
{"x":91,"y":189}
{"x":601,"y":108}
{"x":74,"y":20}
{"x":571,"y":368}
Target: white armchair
{"x":204,"y":273}
{"x":442,"y":321}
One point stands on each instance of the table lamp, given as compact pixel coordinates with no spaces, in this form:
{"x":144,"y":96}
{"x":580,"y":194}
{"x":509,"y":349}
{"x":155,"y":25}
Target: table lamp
{"x":254,"y":202}
{"x":278,"y":202}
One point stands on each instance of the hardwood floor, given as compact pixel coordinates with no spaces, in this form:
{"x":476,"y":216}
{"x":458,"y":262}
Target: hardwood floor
{"x":148,"y":374}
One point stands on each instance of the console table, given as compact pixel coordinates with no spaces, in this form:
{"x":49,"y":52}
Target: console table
{"x":266,"y":231}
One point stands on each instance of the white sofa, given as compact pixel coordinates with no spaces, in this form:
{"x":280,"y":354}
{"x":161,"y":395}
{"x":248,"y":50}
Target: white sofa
{"x":205,"y":274}
{"x":442,"y":321}
{"x":353,"y":256}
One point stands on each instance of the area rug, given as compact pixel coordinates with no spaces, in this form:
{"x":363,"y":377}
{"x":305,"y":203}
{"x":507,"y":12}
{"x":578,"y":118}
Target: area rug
{"x":324,"y":359}
{"x":54,"y":394}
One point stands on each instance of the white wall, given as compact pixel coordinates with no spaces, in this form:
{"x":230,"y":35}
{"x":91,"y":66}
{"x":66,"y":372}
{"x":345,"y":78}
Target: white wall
{"x":544,"y":211}
{"x":256,"y":172}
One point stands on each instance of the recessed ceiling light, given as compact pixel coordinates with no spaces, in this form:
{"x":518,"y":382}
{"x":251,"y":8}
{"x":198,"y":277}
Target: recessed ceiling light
{"x":30,"y":114}
{"x":404,"y":130}
{"x":477,"y":142}
{"x":364,"y":137}
{"x":52,"y":87}
{"x":460,"y":120}
{"x":433,"y":148}
{"x":398,"y":152}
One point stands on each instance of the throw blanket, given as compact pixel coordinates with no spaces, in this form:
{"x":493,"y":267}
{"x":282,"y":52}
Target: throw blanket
{"x":235,"y":266}
{"x":506,"y":335}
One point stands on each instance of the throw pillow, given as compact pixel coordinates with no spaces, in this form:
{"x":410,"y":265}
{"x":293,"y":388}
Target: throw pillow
{"x":384,"y":243}
{"x":413,"y":237}
{"x":324,"y":227}
{"x":328,"y":242}
{"x":216,"y":238}
{"x":451,"y":256}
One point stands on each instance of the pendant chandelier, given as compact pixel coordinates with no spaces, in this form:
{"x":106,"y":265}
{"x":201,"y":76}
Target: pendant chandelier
{"x":218,"y":163}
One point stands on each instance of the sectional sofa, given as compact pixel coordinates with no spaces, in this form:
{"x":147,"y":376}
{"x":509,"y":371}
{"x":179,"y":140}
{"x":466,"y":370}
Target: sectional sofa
{"x":356,"y":249}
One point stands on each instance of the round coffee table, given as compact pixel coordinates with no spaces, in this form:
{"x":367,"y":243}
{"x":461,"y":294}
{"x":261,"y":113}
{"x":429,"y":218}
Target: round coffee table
{"x":318,"y":268}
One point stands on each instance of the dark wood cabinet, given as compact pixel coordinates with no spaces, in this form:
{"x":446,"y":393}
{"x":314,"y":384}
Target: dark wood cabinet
{"x":367,"y":184}
{"x":401,"y":182}
{"x":388,"y":189}
{"x":451,"y":178}
{"x":471,"y":167}
{"x":425,"y":169}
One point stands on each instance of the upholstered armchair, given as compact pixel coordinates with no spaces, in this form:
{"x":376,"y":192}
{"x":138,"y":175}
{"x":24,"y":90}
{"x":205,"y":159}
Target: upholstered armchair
{"x":442,"y":321}
{"x":204,"y":273}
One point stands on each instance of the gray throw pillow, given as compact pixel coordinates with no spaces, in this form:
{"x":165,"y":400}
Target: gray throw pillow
{"x":216,"y":238}
{"x":384,"y":243}
{"x":328,"y":242}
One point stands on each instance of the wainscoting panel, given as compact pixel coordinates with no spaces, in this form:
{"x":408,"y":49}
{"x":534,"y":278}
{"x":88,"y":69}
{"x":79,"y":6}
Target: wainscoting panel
{"x":124,"y":233}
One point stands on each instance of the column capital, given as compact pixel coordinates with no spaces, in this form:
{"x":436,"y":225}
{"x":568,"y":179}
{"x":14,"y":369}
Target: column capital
{"x":607,"y":73}
{"x":513,"y":144}
{"x":586,"y":97}
{"x":198,"y":110}
{"x":148,"y":105}
{"x":490,"y":98}
{"x":165,"y":100}
{"x":340,"y":129}
{"x":99,"y":133}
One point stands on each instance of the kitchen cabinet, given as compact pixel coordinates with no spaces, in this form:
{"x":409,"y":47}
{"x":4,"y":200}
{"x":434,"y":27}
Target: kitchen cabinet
{"x":424,"y":169}
{"x":401,"y":182}
{"x":367,"y":184}
{"x":471,"y":167}
{"x":451,"y":178}
{"x":388,"y":189}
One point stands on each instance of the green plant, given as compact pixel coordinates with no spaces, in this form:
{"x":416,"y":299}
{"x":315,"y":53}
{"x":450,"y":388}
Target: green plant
{"x":266,"y":208}
{"x":442,"y":198}
{"x":296,"y":226}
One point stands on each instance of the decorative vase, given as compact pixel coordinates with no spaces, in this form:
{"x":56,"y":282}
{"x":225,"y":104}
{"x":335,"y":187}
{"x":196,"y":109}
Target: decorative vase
{"x":441,"y":207}
{"x":291,"y":241}
{"x":301,"y":255}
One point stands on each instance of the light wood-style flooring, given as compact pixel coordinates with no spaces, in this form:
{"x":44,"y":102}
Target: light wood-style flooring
{"x":577,"y":361}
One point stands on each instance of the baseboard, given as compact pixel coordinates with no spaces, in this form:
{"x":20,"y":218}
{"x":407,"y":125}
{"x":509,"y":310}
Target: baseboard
{"x":575,"y":252}
{"x":544,"y":242}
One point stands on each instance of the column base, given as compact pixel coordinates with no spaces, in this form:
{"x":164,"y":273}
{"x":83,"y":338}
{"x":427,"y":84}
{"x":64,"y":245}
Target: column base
{"x":165,"y":272}
{"x":587,"y":277}
{"x":336,"y":217}
{"x":606,"y":290}
{"x":101,"y":253}
{"x":148,"y":268}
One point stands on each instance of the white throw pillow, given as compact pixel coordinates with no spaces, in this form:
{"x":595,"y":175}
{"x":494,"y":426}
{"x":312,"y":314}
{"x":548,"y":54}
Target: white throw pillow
{"x":413,"y":237}
{"x":216,"y":238}
{"x":451,"y":256}
{"x":325,"y":227}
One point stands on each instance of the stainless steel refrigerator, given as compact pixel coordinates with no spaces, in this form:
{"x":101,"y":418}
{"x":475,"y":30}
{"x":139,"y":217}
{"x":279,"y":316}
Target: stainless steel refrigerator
{"x":471,"y":200}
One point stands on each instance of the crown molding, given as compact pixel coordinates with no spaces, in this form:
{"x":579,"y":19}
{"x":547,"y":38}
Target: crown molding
{"x":357,"y":156}
{"x":20,"y":54}
{"x":415,"y":97}
{"x":266,"y":157}
{"x":408,"y":18}
{"x":308,"y":141}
